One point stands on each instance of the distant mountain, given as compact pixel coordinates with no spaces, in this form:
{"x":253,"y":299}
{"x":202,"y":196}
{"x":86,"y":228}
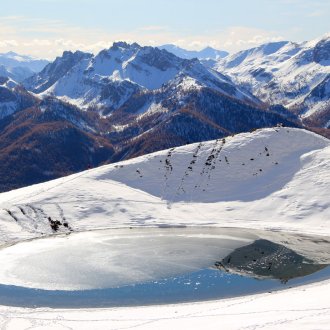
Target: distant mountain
{"x":13,"y":97}
{"x":109,"y":79}
{"x":19,"y":67}
{"x":18,"y":74}
{"x":12,"y":60}
{"x":204,"y":54}
{"x":294,"y":75}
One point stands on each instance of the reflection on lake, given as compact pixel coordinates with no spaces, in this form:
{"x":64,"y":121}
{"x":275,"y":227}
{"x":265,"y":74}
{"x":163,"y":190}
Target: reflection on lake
{"x":267,"y":260}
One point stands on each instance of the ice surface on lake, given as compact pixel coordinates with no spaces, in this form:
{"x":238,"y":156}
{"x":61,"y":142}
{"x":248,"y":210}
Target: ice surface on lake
{"x":113,"y":258}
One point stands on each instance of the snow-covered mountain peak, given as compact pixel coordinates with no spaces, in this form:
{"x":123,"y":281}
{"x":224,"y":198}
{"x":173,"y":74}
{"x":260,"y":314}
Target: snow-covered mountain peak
{"x":124,"y":45}
{"x":76,"y":54}
{"x":312,"y":43}
{"x":17,"y":57}
{"x":278,"y":51}
{"x":291,"y":74}
{"x":20,"y":58}
{"x":122,"y":52}
{"x":159,"y":67}
{"x":109,"y":79}
{"x":204,"y":54}
{"x":271,"y":48}
{"x":146,"y":66}
{"x":321,"y":52}
{"x":20,"y":67}
{"x":68,"y":58}
{"x":55,"y":71}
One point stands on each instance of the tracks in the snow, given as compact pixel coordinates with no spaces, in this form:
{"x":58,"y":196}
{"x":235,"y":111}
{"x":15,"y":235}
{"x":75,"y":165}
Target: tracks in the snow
{"x":33,"y":217}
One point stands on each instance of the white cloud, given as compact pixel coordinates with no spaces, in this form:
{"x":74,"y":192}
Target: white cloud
{"x":153,"y":28}
{"x":8,"y":43}
{"x":316,"y":13}
{"x":19,"y":34}
{"x":233,"y":39}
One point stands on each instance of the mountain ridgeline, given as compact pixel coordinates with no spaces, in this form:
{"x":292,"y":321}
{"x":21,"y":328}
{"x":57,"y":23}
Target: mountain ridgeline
{"x":294,"y":75}
{"x":83,"y":110}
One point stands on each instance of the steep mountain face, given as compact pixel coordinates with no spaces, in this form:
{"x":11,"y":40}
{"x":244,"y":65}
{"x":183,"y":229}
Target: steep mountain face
{"x":207,"y":53}
{"x":20,"y":67}
{"x":13,"y":97}
{"x":54,"y":71}
{"x":47,"y":141}
{"x":293,"y":75}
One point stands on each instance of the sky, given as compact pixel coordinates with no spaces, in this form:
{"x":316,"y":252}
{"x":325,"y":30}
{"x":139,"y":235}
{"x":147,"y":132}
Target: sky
{"x":45,"y":28}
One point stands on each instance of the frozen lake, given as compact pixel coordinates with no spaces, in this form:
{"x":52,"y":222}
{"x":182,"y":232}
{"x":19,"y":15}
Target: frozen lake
{"x":142,"y":266}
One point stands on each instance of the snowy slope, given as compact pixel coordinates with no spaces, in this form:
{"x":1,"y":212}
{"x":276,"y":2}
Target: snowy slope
{"x":303,"y":308}
{"x":291,"y":74}
{"x":269,"y":178}
{"x":200,"y":184}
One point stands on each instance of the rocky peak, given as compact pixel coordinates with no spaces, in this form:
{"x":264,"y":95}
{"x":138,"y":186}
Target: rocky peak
{"x":55,"y":70}
{"x":122,"y":45}
{"x":160,"y":59}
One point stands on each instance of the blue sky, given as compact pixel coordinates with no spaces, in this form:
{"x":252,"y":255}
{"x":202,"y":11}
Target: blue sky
{"x":45,"y":28}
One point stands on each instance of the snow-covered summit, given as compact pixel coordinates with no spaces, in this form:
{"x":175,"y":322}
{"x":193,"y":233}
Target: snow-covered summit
{"x":20,"y":67}
{"x":147,"y":66}
{"x":204,"y":54}
{"x":269,"y":178}
{"x":295,"y":75}
{"x":109,"y":79}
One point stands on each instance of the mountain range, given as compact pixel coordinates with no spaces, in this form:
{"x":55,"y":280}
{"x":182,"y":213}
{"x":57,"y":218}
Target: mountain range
{"x":19,"y":67}
{"x":294,"y":75}
{"x":83,"y":110}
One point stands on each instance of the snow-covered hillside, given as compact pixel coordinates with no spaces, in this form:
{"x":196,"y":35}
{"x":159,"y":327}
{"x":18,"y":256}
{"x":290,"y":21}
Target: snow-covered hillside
{"x":291,"y":74}
{"x":276,"y":177}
